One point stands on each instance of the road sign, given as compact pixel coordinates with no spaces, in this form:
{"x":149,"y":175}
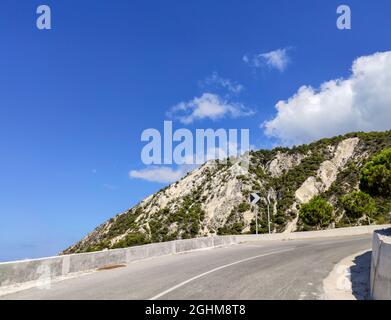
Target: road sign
{"x":254,"y":198}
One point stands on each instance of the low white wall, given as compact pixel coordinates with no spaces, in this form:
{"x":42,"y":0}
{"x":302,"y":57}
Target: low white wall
{"x":31,"y":270}
{"x":381,"y":265}
{"x":339,"y":232}
{"x":16,"y":272}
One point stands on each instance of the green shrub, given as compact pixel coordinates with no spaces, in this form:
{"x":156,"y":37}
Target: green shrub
{"x":375,"y":176}
{"x":104,"y":244}
{"x":132,"y":239}
{"x":318,"y":212}
{"x":236,"y":228}
{"x":243,"y":207}
{"x":358,"y":204}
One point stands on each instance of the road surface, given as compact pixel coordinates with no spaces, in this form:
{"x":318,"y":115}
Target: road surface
{"x":291,"y":269}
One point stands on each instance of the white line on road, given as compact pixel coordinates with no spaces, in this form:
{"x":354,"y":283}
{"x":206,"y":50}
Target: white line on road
{"x":214,"y":270}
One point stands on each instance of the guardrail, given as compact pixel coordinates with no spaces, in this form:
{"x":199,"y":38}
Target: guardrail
{"x":17,"y":272}
{"x":381,"y":265}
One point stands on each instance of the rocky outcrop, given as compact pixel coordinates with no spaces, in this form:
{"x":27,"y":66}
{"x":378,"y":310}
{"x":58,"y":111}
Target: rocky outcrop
{"x":325,"y":177}
{"x":283,"y":162}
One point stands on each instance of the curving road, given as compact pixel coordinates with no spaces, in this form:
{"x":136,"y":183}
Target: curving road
{"x":258,"y":270}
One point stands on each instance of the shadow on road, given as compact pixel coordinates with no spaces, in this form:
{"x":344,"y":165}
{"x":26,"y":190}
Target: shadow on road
{"x":384,"y":232}
{"x":360,"y":274}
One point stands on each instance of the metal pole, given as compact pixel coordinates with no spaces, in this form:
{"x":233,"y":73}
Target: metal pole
{"x":256,"y":219}
{"x":268,"y":213}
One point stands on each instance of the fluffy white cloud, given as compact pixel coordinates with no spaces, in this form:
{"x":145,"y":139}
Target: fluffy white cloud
{"x":227,"y":84}
{"x":159,"y":174}
{"x":361,"y":102}
{"x":277,"y":59}
{"x":207,"y":106}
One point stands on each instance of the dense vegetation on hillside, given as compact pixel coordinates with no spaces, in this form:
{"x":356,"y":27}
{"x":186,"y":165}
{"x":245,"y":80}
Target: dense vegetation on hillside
{"x":359,"y":207}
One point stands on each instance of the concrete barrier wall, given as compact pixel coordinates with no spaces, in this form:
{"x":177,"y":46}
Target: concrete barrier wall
{"x":29,"y":270}
{"x":381,"y":265}
{"x":339,"y":232}
{"x":17,"y":272}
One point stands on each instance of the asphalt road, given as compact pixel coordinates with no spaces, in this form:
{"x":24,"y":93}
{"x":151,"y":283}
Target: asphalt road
{"x":259,"y":270}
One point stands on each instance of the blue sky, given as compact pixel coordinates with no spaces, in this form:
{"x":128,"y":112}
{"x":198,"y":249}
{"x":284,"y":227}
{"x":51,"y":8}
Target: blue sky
{"x":75,"y":99}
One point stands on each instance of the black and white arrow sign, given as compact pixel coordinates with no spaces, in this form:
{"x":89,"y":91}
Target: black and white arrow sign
{"x":254,"y":198}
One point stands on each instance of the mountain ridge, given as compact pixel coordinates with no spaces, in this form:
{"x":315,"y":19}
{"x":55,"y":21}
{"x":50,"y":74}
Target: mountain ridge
{"x":213,"y":199}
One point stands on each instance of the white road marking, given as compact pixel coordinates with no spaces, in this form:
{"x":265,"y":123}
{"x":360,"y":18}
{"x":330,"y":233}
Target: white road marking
{"x":214,"y":270}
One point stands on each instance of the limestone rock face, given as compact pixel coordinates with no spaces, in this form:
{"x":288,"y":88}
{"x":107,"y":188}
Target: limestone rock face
{"x":283,"y":162}
{"x":327,"y":172}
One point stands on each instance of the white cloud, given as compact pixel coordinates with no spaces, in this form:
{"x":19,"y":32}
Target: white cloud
{"x":159,"y":174}
{"x":361,"y":102}
{"x":227,"y":84}
{"x":277,"y":59}
{"x":207,"y":106}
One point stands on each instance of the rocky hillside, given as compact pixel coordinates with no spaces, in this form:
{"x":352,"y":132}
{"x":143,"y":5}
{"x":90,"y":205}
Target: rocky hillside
{"x":213,"y":199}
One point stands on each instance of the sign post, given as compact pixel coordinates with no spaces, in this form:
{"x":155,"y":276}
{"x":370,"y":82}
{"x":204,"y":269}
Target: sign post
{"x":268,"y":213}
{"x":254,"y":198}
